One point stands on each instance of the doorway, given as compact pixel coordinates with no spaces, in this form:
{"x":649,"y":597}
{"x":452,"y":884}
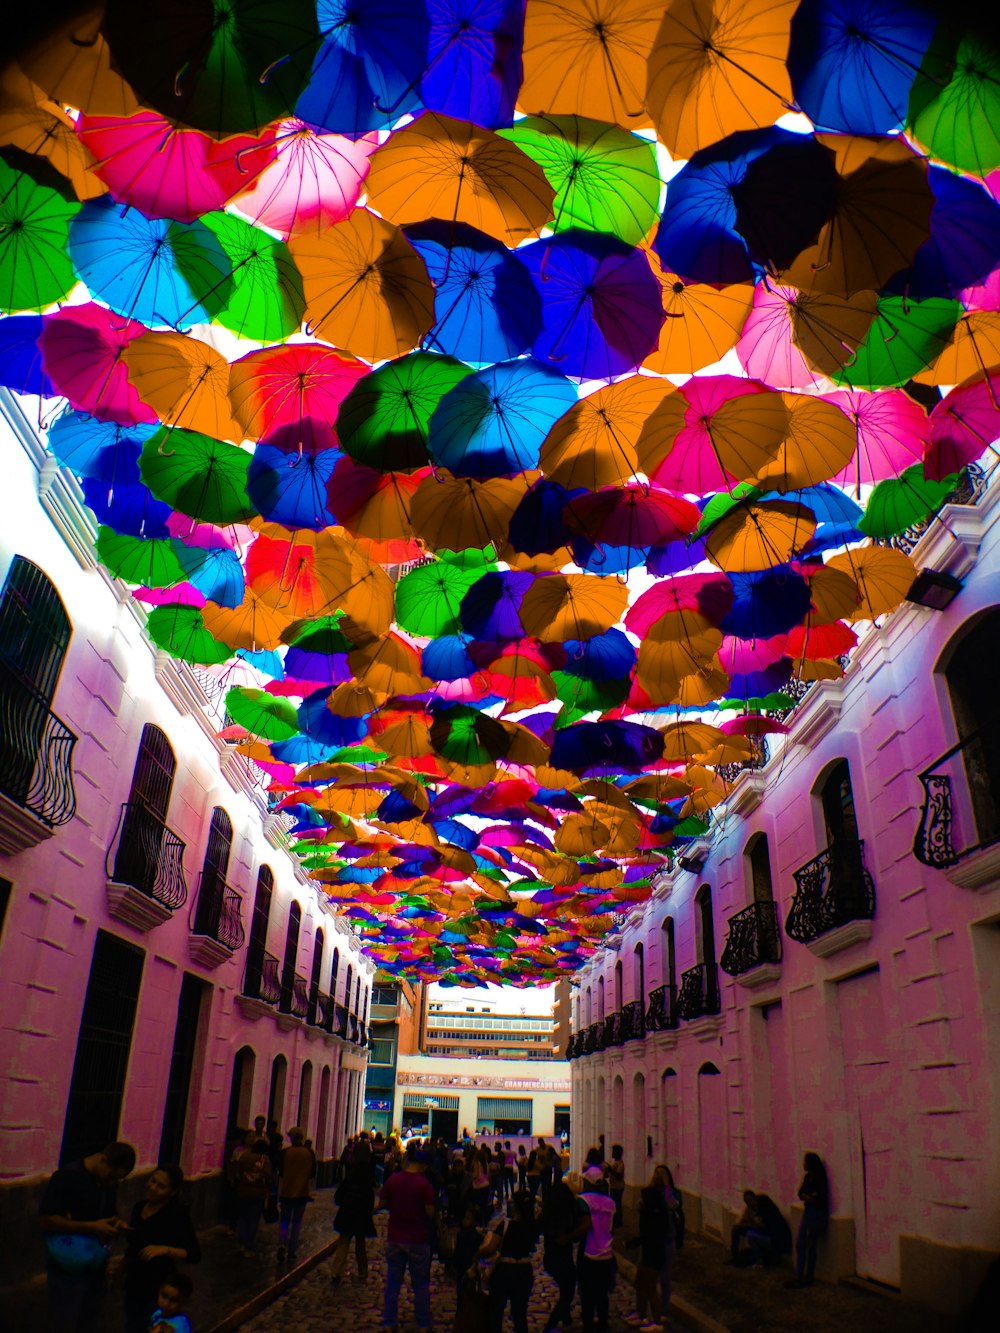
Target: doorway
{"x":444,"y":1125}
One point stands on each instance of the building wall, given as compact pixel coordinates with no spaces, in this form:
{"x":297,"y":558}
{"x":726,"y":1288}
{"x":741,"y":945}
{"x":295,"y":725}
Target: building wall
{"x":112,"y":683}
{"x":546,"y":1085}
{"x":882,"y":1055}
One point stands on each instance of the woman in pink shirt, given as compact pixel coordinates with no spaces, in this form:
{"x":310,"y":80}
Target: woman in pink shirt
{"x":596,"y":1269}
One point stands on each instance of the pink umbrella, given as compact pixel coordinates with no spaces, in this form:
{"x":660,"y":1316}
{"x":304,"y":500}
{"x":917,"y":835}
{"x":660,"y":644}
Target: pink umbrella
{"x":963,"y":426}
{"x":891,"y":429}
{"x":82,"y":348}
{"x":984,"y":295}
{"x":181,"y":594}
{"x":167,"y":172}
{"x":632,"y":515}
{"x":708,"y":595}
{"x":766,"y":348}
{"x":314,"y":181}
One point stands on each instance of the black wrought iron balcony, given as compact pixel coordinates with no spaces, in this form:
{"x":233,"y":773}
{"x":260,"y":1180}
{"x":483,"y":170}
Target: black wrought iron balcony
{"x":613,"y":1029}
{"x":833,"y":888}
{"x":633,"y":1021}
{"x":342,"y":1021}
{"x":961,"y":811}
{"x":759,"y":755}
{"x":661,"y":1013}
{"x":218,"y":915}
{"x":147,"y":854}
{"x":592,"y":1039}
{"x":754,"y":938}
{"x":315,"y":1014}
{"x":572,"y":1046}
{"x":36,"y":748}
{"x":353,"y":1029}
{"x":699,"y":993}
{"x":261,"y":980}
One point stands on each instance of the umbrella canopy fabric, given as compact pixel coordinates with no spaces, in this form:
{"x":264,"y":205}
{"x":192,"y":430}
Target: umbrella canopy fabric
{"x":35,"y":269}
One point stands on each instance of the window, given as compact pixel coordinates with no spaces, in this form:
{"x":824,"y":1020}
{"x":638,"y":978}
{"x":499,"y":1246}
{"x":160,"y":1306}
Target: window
{"x":97,"y":1085}
{"x":760,"y":868}
{"x":841,"y":822}
{"x":314,"y":978}
{"x":258,"y":931}
{"x":348,"y":978}
{"x":383,"y":1051}
{"x":618,"y":984}
{"x":669,"y":961}
{"x":138,"y":858}
{"x":212,"y":892}
{"x":291,"y":954}
{"x":706,"y":927}
{"x":333,"y":973}
{"x":976,"y":707}
{"x":639,"y":973}
{"x":181,"y":1065}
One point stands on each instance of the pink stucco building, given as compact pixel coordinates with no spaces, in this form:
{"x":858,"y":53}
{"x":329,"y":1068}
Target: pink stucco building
{"x":822,"y":972}
{"x":167,"y":970}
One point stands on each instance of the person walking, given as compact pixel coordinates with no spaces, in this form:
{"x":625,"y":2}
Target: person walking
{"x":814,"y":1193}
{"x":355,"y":1199}
{"x":514,"y":1242}
{"x":564,"y":1221}
{"x":615,"y":1173}
{"x":254,"y":1178}
{"x":597,"y":1261}
{"x":479,"y":1184}
{"x":409,"y":1197}
{"x":78,"y":1217}
{"x":161,"y":1237}
{"x":658,"y":1205}
{"x":297,"y":1162}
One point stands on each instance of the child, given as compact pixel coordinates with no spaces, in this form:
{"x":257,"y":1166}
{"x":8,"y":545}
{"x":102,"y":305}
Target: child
{"x":467,"y":1243}
{"x":174,"y":1294}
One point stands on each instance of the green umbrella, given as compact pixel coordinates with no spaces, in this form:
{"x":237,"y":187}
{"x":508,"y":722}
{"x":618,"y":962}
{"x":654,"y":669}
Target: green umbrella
{"x":35,"y":268}
{"x":222,"y":66}
{"x":605,"y":179}
{"x":428,"y":598}
{"x":262,"y":298}
{"x":954,"y":109}
{"x":197,"y":475}
{"x":588,"y":696}
{"x":904,"y":338}
{"x":898,"y":503}
{"x":266,"y":716}
{"x":150,"y":562}
{"x":721,"y":504}
{"x":180,"y":631}
{"x":383,"y":420}
{"x":322,"y":635}
{"x":468,"y":737}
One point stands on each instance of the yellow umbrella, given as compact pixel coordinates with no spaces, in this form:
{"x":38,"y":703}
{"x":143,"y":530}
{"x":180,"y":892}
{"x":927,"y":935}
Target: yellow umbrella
{"x":974,"y":347}
{"x":253,"y":624}
{"x":46,"y":131}
{"x":581,"y":835}
{"x":821,"y":441}
{"x":454,"y":513}
{"x":594,"y":444}
{"x":572,"y":606}
{"x":437,"y":167}
{"x":883,"y":576}
{"x":832,"y":592}
{"x":702,"y":322}
{"x":185,"y":381}
{"x":682,"y":740}
{"x":753,"y":537}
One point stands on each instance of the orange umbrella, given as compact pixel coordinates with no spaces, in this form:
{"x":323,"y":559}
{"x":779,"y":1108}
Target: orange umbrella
{"x":402,"y":734}
{"x":821,"y":441}
{"x":572,"y":606}
{"x":73,"y":67}
{"x":365,"y":286}
{"x":454,"y":513}
{"x":372,"y":505}
{"x":438,"y":167}
{"x":684,"y":740}
{"x":833,"y":593}
{"x":718,"y":66}
{"x":46,"y":131}
{"x":389,"y":664}
{"x":883,"y":576}
{"x":253,"y":624}
{"x":185,"y":381}
{"x":974,"y":348}
{"x":751,"y":536}
{"x":702,"y":323}
{"x":880,"y":219}
{"x":594,"y":444}
{"x":588,"y":58}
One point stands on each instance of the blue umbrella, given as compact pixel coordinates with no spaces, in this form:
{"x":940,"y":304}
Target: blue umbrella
{"x":290,"y":487}
{"x":474,"y":59}
{"x":537,"y":525}
{"x":489,"y":610}
{"x":149,"y":269}
{"x":130,"y":508}
{"x":447,"y":658}
{"x":828,"y":504}
{"x":675,"y":557}
{"x":607,"y":656}
{"x":852,"y":62}
{"x":264,"y":659}
{"x":395,"y":809}
{"x":216,"y":572}
{"x":20,"y":357}
{"x":964,"y":243}
{"x":316,"y":720}
{"x":766,"y":603}
{"x":368,"y":67}
{"x":602,"y":309}
{"x":626,"y":746}
{"x":697,"y":237}
{"x":302,"y":664}
{"x":494,"y":422}
{"x":302,"y":750}
{"x":102,"y":450}
{"x":599,"y":558}
{"x":486,"y":307}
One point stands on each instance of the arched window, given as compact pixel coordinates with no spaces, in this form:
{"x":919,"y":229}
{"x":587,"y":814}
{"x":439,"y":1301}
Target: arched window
{"x":314,"y":977}
{"x":291,"y":955}
{"x":357,"y":996}
{"x":212,"y":891}
{"x":276,"y":1092}
{"x":589,"y":1008}
{"x":759,"y":861}
{"x":639,"y":972}
{"x":257,"y":947}
{"x":842,"y":838}
{"x":600,"y":999}
{"x":34,"y":636}
{"x":348,"y":978}
{"x":618,"y":985}
{"x":241,"y":1090}
{"x":669,"y":960}
{"x":149,"y":854}
{"x":333,"y":973}
{"x":705,"y":933}
{"x":976,"y":706}
{"x":305,"y":1096}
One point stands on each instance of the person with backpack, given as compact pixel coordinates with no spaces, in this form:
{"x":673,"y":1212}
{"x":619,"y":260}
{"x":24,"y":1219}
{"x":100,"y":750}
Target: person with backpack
{"x":658,"y":1208}
{"x":564,"y":1221}
{"x":513,"y":1241}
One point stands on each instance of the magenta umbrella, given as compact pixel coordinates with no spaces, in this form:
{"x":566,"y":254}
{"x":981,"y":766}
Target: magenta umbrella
{"x":632,"y":515}
{"x":82,"y":354}
{"x":891,"y":429}
{"x":312,"y":181}
{"x":168,"y":172}
{"x":963,"y":426}
{"x":766,"y":347}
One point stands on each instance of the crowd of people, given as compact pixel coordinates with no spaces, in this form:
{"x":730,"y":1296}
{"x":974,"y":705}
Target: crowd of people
{"x":481,"y":1208}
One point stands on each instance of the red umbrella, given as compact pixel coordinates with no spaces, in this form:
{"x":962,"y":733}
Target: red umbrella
{"x":290,"y":395}
{"x":632,"y":515}
{"x":82,"y":348}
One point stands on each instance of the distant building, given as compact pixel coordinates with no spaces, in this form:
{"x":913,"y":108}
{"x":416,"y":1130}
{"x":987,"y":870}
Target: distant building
{"x":493,"y":1028}
{"x":518,"y":1099}
{"x":394,"y":1028}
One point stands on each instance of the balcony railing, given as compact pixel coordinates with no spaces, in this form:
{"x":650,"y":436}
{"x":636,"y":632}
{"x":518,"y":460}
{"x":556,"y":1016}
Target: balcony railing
{"x":961,"y":812}
{"x":294,"y":995}
{"x":35,"y":752}
{"x":353,"y":1030}
{"x":218,"y":915}
{"x":633,"y":1021}
{"x":754,"y":938}
{"x":147,"y":855}
{"x":833,"y":888}
{"x":261,"y":980}
{"x":613,"y":1029}
{"x":342,"y":1021}
{"x":591,"y":1037}
{"x":759,"y":755}
{"x":699,"y":993}
{"x":661,"y":1013}
{"x":573,"y":1046}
